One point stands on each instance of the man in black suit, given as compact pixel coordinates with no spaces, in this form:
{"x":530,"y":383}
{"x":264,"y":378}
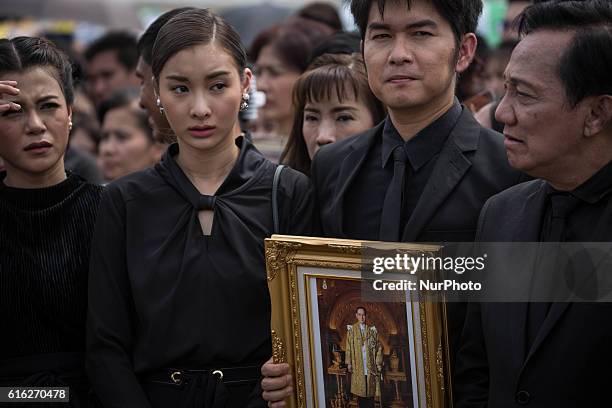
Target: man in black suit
{"x":557,"y":113}
{"x":425,"y":172}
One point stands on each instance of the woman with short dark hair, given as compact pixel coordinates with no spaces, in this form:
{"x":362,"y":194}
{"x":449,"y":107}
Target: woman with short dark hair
{"x":46,"y":224}
{"x":332,"y":101}
{"x":281,"y":54}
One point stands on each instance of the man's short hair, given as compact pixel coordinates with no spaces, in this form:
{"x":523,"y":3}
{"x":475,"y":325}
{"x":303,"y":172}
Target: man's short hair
{"x":585,"y":68}
{"x":462,"y":15}
{"x":365,"y":312}
{"x":122,"y":42}
{"x":146,"y":41}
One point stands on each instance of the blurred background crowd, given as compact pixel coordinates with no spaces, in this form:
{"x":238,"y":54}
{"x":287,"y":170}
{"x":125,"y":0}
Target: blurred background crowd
{"x":117,"y":128}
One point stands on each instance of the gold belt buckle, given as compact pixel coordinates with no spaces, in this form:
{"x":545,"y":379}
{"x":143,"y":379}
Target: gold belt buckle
{"x":176,"y":377}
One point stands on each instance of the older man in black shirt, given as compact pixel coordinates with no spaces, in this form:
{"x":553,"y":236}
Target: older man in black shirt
{"x":557,"y":113}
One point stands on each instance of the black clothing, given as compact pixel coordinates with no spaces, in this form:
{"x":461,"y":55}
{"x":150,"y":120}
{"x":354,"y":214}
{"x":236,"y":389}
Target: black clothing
{"x":376,"y":173}
{"x":568,"y":362}
{"x":163,"y":295}
{"x":443,"y":207}
{"x":82,"y":164}
{"x":45,"y":238}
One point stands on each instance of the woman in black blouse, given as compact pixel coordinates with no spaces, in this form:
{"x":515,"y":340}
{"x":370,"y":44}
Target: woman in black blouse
{"x":179,"y":303}
{"x":46,"y":224}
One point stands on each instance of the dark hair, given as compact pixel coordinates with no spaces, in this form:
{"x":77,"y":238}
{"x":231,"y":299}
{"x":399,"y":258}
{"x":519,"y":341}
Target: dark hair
{"x":462,"y":15}
{"x":331,"y":74}
{"x":293,"y":41}
{"x":21,"y":53}
{"x":323,"y":13}
{"x":365,"y":312}
{"x":122,"y":42}
{"x":195,"y":27}
{"x":338,"y":43}
{"x":147,"y":39}
{"x":585,"y":66}
{"x":88,"y":124}
{"x":126,"y":98}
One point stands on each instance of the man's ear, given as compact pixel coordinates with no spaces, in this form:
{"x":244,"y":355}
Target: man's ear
{"x":467,"y":50}
{"x":599,"y":115}
{"x":246,"y":82}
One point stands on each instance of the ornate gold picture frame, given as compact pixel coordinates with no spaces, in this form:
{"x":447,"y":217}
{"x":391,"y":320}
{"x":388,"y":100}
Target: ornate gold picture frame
{"x":342,"y":349}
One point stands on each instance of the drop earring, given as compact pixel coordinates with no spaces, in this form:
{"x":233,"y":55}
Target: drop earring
{"x":244,"y":104}
{"x":159,"y":105}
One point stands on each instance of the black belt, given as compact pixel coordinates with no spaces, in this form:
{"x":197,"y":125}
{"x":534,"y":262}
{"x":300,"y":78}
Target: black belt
{"x":229,"y":375}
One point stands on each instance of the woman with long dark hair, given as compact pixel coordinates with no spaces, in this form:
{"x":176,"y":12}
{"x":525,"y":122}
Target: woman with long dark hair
{"x":179,"y":302}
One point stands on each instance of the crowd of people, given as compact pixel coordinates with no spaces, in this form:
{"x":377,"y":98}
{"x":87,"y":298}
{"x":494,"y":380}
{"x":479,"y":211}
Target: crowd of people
{"x":135,"y":196}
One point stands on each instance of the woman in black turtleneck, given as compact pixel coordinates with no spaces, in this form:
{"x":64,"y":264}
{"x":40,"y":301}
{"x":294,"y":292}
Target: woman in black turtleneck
{"x":46,"y":224}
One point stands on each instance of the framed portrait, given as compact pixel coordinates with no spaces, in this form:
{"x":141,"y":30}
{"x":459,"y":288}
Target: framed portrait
{"x":345,"y":349}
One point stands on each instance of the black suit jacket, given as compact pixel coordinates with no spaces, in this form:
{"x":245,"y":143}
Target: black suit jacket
{"x":471,"y":167}
{"x":567,"y":365}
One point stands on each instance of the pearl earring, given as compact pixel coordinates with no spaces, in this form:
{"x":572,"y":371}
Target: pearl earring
{"x":159,"y":105}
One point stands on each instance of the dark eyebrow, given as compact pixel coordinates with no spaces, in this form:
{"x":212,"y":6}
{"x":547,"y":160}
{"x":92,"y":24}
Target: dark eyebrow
{"x":416,"y":24}
{"x":518,"y":81}
{"x":217,"y":74}
{"x":343,"y":108}
{"x":210,"y":76}
{"x":47,"y":98}
{"x":422,"y":24}
{"x":378,"y":26}
{"x":179,"y":78}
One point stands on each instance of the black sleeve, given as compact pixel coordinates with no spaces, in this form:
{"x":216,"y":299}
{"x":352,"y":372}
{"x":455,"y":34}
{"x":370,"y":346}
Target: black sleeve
{"x":471,"y":388}
{"x":298,"y":205}
{"x":110,"y":314}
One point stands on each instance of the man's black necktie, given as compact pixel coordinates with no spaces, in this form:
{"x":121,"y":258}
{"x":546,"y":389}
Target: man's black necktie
{"x":561,"y":206}
{"x":390,"y":220}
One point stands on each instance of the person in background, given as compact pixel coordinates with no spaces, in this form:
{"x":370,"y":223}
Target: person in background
{"x":148,"y":97}
{"x":332,"y":102}
{"x":471,"y":86}
{"x":111,"y":64}
{"x":85,"y":133}
{"x":338,"y":43}
{"x":47,"y":220}
{"x":179,"y":311}
{"x":515,"y":8}
{"x":322,"y":12}
{"x":494,"y":77}
{"x":126,"y":142}
{"x":281,"y":54}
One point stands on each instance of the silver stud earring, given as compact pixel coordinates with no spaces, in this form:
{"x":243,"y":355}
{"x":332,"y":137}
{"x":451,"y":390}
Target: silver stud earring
{"x":244,"y":104}
{"x":159,"y":105}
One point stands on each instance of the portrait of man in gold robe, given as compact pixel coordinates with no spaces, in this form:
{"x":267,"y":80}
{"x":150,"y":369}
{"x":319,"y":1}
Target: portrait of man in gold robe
{"x":364,"y":359}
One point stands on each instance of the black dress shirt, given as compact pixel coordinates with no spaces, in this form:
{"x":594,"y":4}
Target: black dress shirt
{"x":164,"y":295}
{"x":365,"y":199}
{"x":591,"y":218}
